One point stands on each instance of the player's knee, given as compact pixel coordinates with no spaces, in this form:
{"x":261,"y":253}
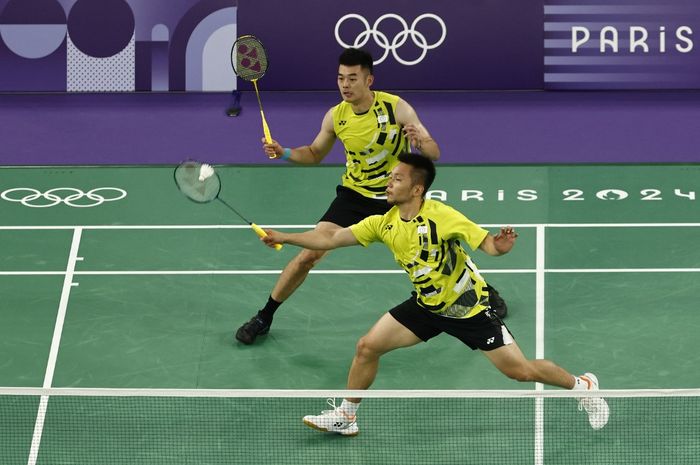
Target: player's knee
{"x":521,"y":373}
{"x":307,"y":259}
{"x":366,"y":350}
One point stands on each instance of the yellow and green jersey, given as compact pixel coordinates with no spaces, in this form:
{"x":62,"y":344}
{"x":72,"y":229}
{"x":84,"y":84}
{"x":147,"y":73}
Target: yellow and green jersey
{"x":372,"y":141}
{"x":429,"y":249}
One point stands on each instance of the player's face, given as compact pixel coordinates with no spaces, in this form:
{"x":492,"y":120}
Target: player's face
{"x":400,"y":188}
{"x":354,"y":83}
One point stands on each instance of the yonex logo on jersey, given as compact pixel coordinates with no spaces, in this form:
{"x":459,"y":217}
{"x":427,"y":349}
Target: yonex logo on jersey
{"x":388,"y":227}
{"x":342,"y":122}
{"x":418,"y":38}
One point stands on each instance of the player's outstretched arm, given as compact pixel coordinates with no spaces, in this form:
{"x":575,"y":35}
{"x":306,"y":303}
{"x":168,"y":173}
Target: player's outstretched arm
{"x":413,"y":129}
{"x":316,"y":239}
{"x":501,"y":243}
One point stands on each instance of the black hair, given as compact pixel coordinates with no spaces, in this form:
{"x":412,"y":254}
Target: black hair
{"x":355,"y":56}
{"x":423,"y":169}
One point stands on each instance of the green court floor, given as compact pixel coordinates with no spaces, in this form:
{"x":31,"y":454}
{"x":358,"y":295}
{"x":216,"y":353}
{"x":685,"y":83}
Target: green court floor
{"x":146,"y":291}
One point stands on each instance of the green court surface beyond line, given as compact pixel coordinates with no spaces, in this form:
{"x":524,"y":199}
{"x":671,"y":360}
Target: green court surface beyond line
{"x":300,"y":195}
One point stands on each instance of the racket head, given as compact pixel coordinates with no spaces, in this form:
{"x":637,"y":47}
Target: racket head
{"x":186,"y":176}
{"x":249,"y":58}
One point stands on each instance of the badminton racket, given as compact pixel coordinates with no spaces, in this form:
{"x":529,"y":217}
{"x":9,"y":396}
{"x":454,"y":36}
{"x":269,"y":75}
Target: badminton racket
{"x":249,"y":61}
{"x":201,"y":184}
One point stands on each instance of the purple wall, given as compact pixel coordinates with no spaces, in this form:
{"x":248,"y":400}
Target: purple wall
{"x":476,"y":127}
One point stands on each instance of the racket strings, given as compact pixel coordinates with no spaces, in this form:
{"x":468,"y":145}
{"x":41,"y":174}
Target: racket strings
{"x":250,"y":58}
{"x":189,"y":179}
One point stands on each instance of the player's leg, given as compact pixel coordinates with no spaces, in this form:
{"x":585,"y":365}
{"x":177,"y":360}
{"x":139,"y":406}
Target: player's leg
{"x":348,"y":208}
{"x":298,"y":269}
{"x":510,"y":360}
{"x":289,"y":280}
{"x":387,"y":334}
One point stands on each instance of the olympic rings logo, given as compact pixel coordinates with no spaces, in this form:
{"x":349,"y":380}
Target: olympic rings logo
{"x":28,"y":196}
{"x":399,"y":39}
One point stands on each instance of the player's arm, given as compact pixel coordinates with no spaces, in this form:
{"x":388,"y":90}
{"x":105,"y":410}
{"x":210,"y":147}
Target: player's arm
{"x":307,"y":154}
{"x":499,"y":244}
{"x":417,"y":134}
{"x":316,"y":239}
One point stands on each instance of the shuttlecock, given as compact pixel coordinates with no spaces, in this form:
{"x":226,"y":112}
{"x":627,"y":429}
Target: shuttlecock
{"x":205,"y":171}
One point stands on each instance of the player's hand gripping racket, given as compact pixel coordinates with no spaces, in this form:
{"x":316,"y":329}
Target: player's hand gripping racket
{"x":249,"y":61}
{"x":201,"y":184}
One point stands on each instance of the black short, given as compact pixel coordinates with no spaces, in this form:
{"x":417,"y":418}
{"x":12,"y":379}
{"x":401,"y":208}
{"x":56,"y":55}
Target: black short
{"x":483,"y":331}
{"x":350,"y":207}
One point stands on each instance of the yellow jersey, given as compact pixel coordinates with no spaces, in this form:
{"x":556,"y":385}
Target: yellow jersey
{"x":429,"y":248}
{"x":372,"y":142}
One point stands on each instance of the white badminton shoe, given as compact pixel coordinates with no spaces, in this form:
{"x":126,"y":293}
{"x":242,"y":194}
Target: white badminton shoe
{"x":333,"y":421}
{"x":596,"y":407}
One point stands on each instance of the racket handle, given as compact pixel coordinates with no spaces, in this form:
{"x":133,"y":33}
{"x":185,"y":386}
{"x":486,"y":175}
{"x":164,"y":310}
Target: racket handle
{"x":259,"y":231}
{"x":266,"y":129}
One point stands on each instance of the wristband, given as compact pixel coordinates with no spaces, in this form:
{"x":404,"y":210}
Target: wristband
{"x":286,"y":153}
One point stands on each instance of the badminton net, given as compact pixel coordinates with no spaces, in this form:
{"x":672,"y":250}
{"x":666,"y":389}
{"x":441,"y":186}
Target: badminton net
{"x":208,"y":427}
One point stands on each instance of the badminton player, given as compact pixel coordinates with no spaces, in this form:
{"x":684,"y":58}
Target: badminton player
{"x":373,"y":127}
{"x":450,"y":296}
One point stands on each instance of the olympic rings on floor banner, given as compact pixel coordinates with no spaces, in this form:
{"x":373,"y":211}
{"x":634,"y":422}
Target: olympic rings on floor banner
{"x":30,"y":197}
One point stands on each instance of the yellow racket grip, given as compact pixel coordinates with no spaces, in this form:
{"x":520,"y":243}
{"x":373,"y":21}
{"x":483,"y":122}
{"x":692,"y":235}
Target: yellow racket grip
{"x":259,"y":231}
{"x":266,"y":129}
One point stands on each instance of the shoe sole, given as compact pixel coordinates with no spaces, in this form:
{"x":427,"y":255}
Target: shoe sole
{"x":319,"y":428}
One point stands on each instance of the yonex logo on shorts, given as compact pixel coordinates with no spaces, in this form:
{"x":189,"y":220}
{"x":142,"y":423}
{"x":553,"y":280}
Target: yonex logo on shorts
{"x":381,"y":39}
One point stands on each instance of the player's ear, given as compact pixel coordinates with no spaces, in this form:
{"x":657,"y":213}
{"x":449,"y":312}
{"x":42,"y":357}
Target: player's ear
{"x":419,"y":189}
{"x":370,"y":80}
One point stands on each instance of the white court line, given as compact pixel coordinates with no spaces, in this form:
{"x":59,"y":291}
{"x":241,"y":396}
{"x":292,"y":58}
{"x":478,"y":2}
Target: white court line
{"x":624,"y":270}
{"x":224,"y":272}
{"x":309,"y":226}
{"x":392,"y":271}
{"x":55,"y":343}
{"x":539,"y":339}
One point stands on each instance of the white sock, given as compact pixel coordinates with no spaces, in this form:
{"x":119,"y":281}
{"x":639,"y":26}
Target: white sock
{"x":349,"y":407}
{"x":579,"y":384}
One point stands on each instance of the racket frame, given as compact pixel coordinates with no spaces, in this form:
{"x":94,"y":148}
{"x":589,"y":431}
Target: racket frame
{"x":257,"y":229}
{"x":234,"y":61}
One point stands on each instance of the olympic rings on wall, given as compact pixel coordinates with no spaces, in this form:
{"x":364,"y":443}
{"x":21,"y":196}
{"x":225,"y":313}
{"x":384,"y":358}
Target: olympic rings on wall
{"x":30,"y":197}
{"x":398,"y":40}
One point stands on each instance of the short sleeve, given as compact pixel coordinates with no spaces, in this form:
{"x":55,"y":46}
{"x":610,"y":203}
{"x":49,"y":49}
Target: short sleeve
{"x":455,"y":225}
{"x":367,"y":230}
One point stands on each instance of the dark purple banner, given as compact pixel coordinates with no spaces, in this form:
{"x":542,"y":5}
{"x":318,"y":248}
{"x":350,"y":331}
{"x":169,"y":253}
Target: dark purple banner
{"x":438,"y":44}
{"x":626,"y":44}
